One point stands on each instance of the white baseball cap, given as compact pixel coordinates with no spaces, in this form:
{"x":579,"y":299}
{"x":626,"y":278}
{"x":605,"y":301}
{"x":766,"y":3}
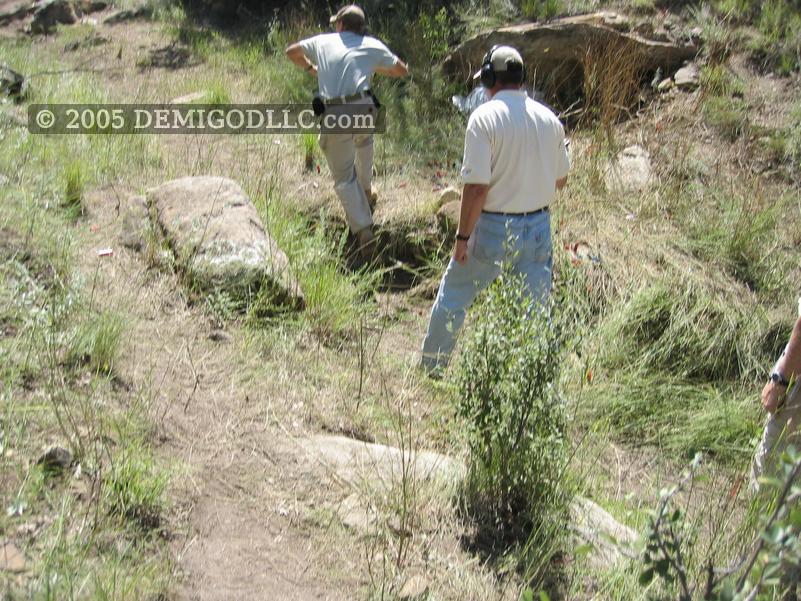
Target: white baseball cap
{"x":501,"y":56}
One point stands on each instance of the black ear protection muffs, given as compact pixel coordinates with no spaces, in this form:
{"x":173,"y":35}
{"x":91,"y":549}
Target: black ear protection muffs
{"x":488,"y":76}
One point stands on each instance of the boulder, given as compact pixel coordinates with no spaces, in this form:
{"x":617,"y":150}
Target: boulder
{"x":630,"y":171}
{"x":52,"y":13}
{"x":15,"y":10}
{"x":554,"y":51}
{"x":135,"y":225}
{"x":609,"y":540}
{"x":55,"y":460}
{"x":447,"y":195}
{"x":686,"y":78}
{"x":218,"y":239}
{"x":355,"y":461}
{"x":91,"y":6}
{"x":448,"y":215}
{"x":121,"y":16}
{"x":665,"y":85}
{"x":12,"y":84}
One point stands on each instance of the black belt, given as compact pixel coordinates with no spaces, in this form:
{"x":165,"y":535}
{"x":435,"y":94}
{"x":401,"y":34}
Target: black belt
{"x":351,"y":98}
{"x":527,"y":213}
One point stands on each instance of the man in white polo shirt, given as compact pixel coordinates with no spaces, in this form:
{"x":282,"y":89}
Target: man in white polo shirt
{"x":344,"y":63}
{"x":515,"y":159}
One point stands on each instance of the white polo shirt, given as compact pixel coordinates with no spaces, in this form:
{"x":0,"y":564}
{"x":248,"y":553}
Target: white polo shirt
{"x":517,"y":146}
{"x":346,"y":61}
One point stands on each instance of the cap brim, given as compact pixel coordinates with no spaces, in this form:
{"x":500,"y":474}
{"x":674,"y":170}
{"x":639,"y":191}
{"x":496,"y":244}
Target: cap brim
{"x":332,"y":20}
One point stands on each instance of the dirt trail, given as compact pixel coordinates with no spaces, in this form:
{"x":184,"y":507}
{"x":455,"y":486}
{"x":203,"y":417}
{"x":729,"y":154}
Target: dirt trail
{"x":237,"y":536}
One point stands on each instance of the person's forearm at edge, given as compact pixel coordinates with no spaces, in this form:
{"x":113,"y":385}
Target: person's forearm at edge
{"x":473,"y":198}
{"x":295,"y":54}
{"x":400,"y":69}
{"x":789,"y":365}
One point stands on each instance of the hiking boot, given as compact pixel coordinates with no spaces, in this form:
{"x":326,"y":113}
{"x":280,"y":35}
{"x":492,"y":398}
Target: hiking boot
{"x":367,"y":242}
{"x":372,"y":198}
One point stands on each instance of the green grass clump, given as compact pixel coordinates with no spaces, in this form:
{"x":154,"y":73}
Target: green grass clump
{"x":684,"y":328}
{"x":720,"y":81}
{"x":729,"y":116}
{"x":778,"y":48}
{"x":96,"y":342}
{"x":540,"y":9}
{"x":73,"y":190}
{"x":134,"y":488}
{"x":679,"y":417}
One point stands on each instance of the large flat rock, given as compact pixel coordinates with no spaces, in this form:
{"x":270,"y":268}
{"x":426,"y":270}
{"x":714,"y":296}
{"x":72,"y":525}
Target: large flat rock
{"x":554,"y":51}
{"x":218,"y":238}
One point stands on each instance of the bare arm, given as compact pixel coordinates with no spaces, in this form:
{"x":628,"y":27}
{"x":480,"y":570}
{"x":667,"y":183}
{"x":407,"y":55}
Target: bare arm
{"x":295,"y":54}
{"x":400,"y":69}
{"x":789,"y":365}
{"x":473,"y":198}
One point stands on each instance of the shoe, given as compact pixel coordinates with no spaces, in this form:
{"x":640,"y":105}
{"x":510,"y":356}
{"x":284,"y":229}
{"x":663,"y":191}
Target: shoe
{"x":372,"y":198}
{"x":367,"y":242}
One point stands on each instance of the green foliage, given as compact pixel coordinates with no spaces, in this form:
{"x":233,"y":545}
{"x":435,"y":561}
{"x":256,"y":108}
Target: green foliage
{"x":541,"y":9}
{"x":515,"y":419}
{"x":728,"y":115}
{"x":764,"y":567}
{"x":779,"y":47}
{"x":309,"y":144}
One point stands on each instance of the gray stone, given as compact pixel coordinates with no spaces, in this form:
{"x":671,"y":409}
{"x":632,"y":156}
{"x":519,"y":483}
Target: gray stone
{"x":91,"y":6}
{"x":447,"y":195}
{"x":609,"y":540}
{"x":448,"y":215}
{"x":12,"y":84}
{"x":355,"y":461}
{"x":52,"y":13}
{"x":218,"y":238}
{"x":11,"y":558}
{"x":630,"y":171}
{"x":121,"y":16}
{"x":558,"y":47}
{"x":355,"y":513}
{"x":136,"y":225}
{"x":686,"y":78}
{"x":665,"y":85}
{"x":55,"y":459}
{"x":15,"y":10}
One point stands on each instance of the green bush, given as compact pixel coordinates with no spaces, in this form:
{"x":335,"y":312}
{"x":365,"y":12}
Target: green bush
{"x":720,"y":81}
{"x":515,"y":419}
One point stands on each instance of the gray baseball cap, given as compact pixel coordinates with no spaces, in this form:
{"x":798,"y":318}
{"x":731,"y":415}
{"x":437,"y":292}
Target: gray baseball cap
{"x":350,"y":9}
{"x":501,"y":56}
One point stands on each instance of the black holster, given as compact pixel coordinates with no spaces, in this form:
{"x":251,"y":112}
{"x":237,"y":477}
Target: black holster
{"x":318,"y":106}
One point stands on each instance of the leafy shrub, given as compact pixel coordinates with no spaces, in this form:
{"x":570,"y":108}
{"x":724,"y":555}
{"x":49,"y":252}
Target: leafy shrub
{"x":764,"y":564}
{"x":515,"y":420}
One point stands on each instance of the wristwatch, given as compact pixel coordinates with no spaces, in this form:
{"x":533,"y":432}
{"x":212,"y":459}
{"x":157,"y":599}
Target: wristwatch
{"x":462,"y":237}
{"x":778,"y":378}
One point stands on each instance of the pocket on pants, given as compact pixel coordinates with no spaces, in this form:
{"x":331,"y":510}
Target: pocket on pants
{"x":490,"y":241}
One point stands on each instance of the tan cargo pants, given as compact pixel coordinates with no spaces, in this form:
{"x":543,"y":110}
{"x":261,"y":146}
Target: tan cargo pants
{"x":350,"y":160}
{"x":781,"y":430}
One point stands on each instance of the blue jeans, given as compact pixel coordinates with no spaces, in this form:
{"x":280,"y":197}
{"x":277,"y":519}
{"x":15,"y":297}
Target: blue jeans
{"x":522,"y":241}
